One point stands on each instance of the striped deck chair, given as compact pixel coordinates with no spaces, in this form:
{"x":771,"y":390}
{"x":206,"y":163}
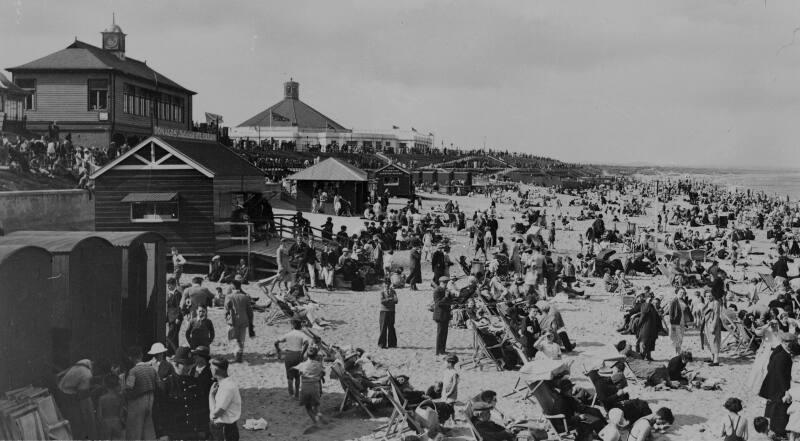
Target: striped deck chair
{"x":351,"y":393}
{"x":767,"y":284}
{"x":481,"y":351}
{"x":401,"y":411}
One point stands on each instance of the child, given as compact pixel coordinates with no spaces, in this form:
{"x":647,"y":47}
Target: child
{"x":733,"y":425}
{"x":312,"y":375}
{"x":435,"y":391}
{"x":219,"y":298}
{"x":450,"y":380}
{"x":109,"y":410}
{"x":793,"y":427}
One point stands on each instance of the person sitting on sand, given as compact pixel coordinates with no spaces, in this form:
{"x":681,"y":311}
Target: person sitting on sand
{"x":547,"y":346}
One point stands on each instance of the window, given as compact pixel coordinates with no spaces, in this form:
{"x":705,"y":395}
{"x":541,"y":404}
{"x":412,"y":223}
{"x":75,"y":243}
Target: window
{"x":98,"y":94}
{"x":29,"y":86}
{"x":154,"y":211}
{"x":391,"y":181}
{"x":128,"y":99}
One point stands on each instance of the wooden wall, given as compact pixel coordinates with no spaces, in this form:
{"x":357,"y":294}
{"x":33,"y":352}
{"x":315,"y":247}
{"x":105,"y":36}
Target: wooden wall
{"x":225,"y":185}
{"x":126,"y":120}
{"x":62,"y":96}
{"x":193,"y":234}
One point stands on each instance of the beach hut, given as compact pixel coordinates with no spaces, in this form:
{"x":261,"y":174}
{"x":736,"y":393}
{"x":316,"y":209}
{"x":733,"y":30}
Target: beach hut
{"x":142,"y":282}
{"x":25,"y":342}
{"x":84,"y":309}
{"x":331,"y":176}
{"x":394,"y":179}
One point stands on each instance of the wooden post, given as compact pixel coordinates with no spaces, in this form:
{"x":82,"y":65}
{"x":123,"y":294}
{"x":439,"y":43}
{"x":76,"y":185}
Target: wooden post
{"x":249,"y":258}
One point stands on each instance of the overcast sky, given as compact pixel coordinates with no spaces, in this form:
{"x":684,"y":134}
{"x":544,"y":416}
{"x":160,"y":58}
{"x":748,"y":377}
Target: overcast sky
{"x":668,"y":82}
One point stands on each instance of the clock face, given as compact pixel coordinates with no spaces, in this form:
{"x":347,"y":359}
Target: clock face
{"x":112,"y":42}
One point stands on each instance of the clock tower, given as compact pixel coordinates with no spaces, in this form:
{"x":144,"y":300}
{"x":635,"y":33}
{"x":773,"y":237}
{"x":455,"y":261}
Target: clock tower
{"x":114,"y":39}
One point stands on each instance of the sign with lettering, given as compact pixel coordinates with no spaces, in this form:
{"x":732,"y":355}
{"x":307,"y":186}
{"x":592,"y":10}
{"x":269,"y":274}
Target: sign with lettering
{"x":183,"y":134}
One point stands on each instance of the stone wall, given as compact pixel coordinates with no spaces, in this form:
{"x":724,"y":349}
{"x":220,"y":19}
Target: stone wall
{"x":67,"y":210}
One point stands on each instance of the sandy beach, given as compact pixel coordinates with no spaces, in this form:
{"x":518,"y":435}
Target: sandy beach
{"x":591,"y":324}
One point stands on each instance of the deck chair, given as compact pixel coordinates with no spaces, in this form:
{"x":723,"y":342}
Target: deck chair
{"x":737,"y":338}
{"x":558,"y":422}
{"x":626,"y":302}
{"x":767,"y":284}
{"x":400,"y":412}
{"x":474,"y":430}
{"x":481,"y":351}
{"x":512,"y":337}
{"x":351,"y":393}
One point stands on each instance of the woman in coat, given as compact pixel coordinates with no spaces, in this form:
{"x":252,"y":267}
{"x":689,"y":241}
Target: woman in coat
{"x":415,"y":269}
{"x":649,"y":327}
{"x":711,"y":332}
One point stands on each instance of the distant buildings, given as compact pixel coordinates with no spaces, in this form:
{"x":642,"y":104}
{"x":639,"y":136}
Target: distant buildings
{"x":293,"y":121}
{"x":100,"y":95}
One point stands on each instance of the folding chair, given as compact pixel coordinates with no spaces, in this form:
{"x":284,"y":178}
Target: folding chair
{"x":767,"y":284}
{"x":558,"y":421}
{"x":512,"y":336}
{"x":474,"y":430}
{"x":738,"y":337}
{"x":400,"y":412}
{"x":351,"y":394}
{"x":627,"y":302}
{"x":480,"y":350}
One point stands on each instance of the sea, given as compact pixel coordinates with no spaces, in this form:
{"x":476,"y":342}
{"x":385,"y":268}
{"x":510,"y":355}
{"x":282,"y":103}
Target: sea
{"x":773,"y":182}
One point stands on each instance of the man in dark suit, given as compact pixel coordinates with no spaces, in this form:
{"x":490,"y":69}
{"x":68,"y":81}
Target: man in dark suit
{"x":415,"y":268}
{"x":441,"y":314}
{"x":776,"y":385}
{"x":438,"y":264}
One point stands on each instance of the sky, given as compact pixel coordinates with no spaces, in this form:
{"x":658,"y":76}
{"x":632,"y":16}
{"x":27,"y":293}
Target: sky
{"x":678,"y":82}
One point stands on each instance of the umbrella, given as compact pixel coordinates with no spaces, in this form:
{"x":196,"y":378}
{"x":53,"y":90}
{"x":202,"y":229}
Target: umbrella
{"x":605,"y":254}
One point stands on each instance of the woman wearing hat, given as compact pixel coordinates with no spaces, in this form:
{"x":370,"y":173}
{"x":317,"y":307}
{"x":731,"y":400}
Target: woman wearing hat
{"x":616,"y":420}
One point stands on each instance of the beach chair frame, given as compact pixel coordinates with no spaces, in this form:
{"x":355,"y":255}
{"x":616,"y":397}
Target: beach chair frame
{"x":400,"y":411}
{"x":514,"y":339}
{"x":766,"y":284}
{"x":351,"y":395}
{"x":480,"y":350}
{"x":626,"y":302}
{"x":741,"y":339}
{"x":553,"y":419}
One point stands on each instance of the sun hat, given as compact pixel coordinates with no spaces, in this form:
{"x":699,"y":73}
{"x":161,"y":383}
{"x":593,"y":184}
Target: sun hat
{"x":452,"y":358}
{"x":157,"y":348}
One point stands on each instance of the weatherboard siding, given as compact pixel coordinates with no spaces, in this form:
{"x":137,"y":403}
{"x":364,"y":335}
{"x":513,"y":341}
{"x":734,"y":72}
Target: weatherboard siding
{"x":192,"y":234}
{"x":120,"y":80}
{"x":62,"y":96}
{"x":225,"y":185}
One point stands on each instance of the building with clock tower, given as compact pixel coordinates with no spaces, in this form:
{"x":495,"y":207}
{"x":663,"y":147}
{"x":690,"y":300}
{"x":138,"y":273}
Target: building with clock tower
{"x":100,"y":95}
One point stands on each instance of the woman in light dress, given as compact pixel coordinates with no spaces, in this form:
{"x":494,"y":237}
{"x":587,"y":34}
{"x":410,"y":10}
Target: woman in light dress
{"x":770,"y":337}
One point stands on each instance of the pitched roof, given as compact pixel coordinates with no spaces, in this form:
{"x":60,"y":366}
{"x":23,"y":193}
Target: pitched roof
{"x":84,"y":56}
{"x":393,"y":165}
{"x":331,"y":169}
{"x":292,"y":112}
{"x":209,"y":158}
{"x":10,"y":88}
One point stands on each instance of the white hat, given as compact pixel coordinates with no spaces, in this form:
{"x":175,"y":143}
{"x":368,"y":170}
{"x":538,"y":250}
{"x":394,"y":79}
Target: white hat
{"x":157,"y":348}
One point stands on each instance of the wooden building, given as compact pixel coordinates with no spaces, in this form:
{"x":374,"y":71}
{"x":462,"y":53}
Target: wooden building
{"x":332,"y":176}
{"x":12,"y":107}
{"x":142,"y":281}
{"x":84,"y":313}
{"x":100,"y":95}
{"x":175,"y":187}
{"x":394,"y":179}
{"x":26,"y":337}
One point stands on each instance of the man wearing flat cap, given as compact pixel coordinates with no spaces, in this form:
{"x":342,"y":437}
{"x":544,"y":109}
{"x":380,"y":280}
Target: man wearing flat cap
{"x":777,"y":383}
{"x":441,"y":314}
{"x":187,"y":404}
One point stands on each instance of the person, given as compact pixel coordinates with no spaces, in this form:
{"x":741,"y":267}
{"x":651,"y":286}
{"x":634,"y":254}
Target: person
{"x":165,"y":373}
{"x":216,"y":269}
{"x":239,"y":316}
{"x":642,"y":429}
{"x":201,"y":370}
{"x":140,"y":386}
{"x":178,"y":261}
{"x":110,"y":410}
{"x":297,"y":342}
{"x":415,"y":268}
{"x":450,"y":380}
{"x":793,"y":425}
{"x":388,"y":336}
{"x":547,"y":346}
{"x":770,"y":338}
{"x":616,"y":420}
{"x":677,"y":365}
{"x":312,"y":375}
{"x":224,"y":403}
{"x":649,"y":327}
{"x":488,"y":429}
{"x":776,"y":383}
{"x":242,"y":270}
{"x":285,"y":273}
{"x":196,"y":295}
{"x":74,"y":390}
{"x":552,"y":320}
{"x":187,"y":408}
{"x":733,"y":426}
{"x":174,"y":314}
{"x":441,"y":315}
{"x":711,"y":334}
{"x":200,"y":331}
{"x":677,"y":319}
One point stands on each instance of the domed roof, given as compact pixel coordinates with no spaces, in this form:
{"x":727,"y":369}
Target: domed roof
{"x":114,"y":28}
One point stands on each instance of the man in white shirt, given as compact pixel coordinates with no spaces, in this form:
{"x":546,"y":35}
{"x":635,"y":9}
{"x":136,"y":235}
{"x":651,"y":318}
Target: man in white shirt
{"x":224,"y":403}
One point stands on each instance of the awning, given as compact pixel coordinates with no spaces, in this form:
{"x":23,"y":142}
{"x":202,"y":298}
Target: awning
{"x":150,"y":197}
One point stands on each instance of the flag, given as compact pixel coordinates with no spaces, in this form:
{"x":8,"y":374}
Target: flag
{"x":413,"y":129}
{"x":430,"y":133}
{"x":213,"y":118}
{"x":395,"y":127}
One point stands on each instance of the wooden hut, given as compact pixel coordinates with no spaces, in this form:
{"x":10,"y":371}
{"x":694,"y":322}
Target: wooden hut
{"x":176,"y":187}
{"x":394,"y":179}
{"x":84,"y":310}
{"x":25,"y":340}
{"x":331,"y":176}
